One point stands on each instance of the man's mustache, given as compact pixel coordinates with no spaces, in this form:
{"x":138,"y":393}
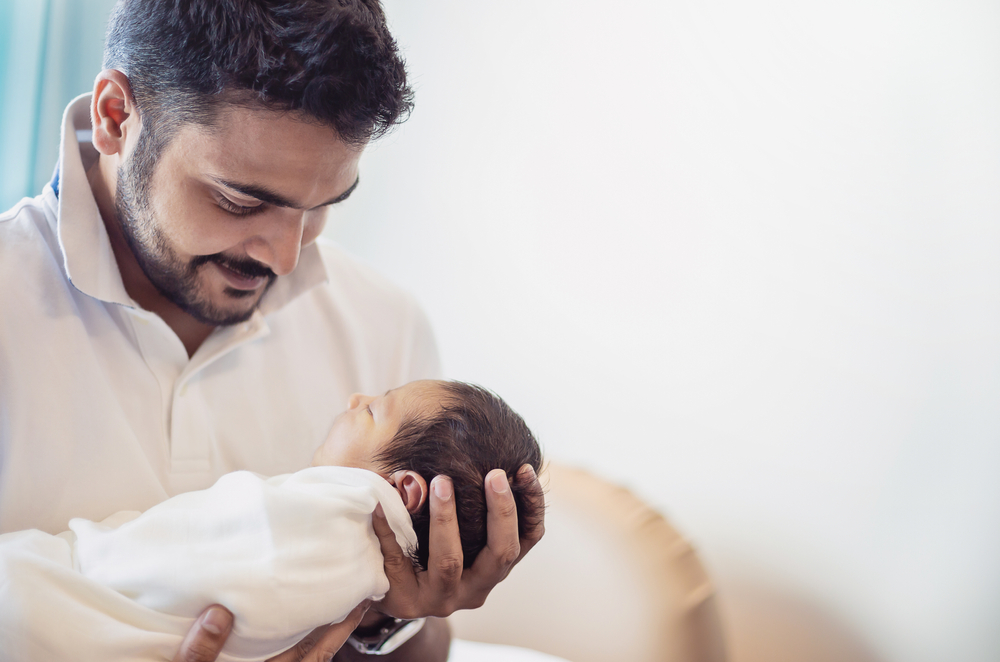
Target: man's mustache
{"x":245,"y":267}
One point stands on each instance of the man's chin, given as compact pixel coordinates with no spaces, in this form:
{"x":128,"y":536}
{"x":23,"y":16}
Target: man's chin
{"x":218,"y":304}
{"x":239,"y":307}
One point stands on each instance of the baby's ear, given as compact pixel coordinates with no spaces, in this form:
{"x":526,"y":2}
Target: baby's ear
{"x":412,"y":489}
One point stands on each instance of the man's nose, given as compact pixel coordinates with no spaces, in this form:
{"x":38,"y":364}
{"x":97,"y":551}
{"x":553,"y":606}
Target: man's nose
{"x":278,"y":243}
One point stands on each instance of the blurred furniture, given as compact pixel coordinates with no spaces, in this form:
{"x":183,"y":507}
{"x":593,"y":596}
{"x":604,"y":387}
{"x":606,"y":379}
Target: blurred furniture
{"x":611,"y":580}
{"x":766,"y":624}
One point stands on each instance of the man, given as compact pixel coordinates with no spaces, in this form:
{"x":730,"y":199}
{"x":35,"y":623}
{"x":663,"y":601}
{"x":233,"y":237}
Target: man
{"x":167,"y":314}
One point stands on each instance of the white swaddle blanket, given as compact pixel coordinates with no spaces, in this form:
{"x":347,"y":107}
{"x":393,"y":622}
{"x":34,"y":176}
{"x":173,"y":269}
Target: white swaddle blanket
{"x":284,"y":554}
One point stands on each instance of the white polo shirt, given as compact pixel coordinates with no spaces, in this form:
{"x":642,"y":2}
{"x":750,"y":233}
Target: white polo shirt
{"x":101,"y":409}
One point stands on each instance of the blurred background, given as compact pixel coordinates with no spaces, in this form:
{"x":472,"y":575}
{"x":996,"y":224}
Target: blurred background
{"x":742,"y":257}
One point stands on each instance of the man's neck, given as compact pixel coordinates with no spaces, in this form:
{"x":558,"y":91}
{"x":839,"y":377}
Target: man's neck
{"x":102,"y":177}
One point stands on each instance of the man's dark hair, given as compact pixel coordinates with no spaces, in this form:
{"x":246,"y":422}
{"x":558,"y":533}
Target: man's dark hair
{"x":473,"y":433}
{"x":332,"y":59}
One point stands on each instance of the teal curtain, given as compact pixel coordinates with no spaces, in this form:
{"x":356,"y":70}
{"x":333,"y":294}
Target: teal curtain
{"x":50,"y":51}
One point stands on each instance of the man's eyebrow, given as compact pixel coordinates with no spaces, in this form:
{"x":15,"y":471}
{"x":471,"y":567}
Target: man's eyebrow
{"x":278,"y":200}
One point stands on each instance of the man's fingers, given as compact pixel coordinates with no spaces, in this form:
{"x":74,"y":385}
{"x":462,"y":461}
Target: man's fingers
{"x":322,"y":644}
{"x":444,"y":562}
{"x":336,"y":635}
{"x":502,"y":549}
{"x":501,"y":521}
{"x":403,"y":586}
{"x":444,"y":587}
{"x":298,"y":652}
{"x":207,"y":636}
{"x":534,"y":527}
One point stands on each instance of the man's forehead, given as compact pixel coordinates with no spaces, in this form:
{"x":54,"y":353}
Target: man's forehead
{"x":243,"y":122}
{"x":288,"y":161}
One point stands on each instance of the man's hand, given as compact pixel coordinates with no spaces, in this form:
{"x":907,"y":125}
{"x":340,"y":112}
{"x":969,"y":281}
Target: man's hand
{"x":207,"y":636}
{"x":209,"y":633}
{"x":324,"y":642}
{"x":445,"y":588}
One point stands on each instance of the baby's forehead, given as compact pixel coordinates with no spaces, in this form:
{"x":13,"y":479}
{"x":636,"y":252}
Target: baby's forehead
{"x":423,"y":398}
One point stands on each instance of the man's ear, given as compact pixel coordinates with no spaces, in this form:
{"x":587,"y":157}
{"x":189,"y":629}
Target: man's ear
{"x":112,"y":112}
{"x":412,"y":489}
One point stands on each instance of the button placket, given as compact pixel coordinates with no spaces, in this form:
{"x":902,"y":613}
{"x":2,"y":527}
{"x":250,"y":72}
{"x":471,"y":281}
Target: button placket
{"x":190,"y":429}
{"x":192,"y":433}
{"x":163,"y":354}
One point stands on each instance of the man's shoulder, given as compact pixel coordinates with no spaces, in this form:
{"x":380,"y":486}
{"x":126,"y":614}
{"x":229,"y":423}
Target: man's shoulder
{"x":28,"y":238}
{"x":28,"y":215}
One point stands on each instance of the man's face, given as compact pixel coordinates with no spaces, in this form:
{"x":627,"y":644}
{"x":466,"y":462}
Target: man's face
{"x":225,"y":210}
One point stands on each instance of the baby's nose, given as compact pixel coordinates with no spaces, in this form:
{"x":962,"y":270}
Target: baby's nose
{"x":354,"y":400}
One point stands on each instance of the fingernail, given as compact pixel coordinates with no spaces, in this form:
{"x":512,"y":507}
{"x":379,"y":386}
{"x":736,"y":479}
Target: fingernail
{"x":498,"y":481}
{"x":442,"y":488}
{"x":378,"y":511}
{"x":215,"y":621}
{"x":528,"y":472}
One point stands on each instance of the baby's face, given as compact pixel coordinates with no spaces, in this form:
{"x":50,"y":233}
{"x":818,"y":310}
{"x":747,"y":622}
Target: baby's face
{"x":370,"y":422}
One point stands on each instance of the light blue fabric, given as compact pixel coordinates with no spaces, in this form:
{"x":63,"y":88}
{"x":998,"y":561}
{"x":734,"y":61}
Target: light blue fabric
{"x":50,"y":51}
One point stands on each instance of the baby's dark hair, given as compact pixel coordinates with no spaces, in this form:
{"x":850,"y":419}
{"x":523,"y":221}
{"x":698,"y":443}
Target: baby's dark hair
{"x":473,"y":433}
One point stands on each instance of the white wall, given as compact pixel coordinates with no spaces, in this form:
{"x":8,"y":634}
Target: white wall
{"x":744,"y":257}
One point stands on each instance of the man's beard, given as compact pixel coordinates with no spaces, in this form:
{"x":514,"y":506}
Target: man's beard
{"x":175,"y":280}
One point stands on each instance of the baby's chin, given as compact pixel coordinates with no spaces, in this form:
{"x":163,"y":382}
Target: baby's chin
{"x":329,"y":455}
{"x":324,"y":458}
{"x":317,"y":459}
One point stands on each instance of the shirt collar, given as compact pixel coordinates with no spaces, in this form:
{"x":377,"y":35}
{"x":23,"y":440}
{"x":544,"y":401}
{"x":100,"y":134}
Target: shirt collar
{"x":87,"y":255}
{"x":89,"y":261}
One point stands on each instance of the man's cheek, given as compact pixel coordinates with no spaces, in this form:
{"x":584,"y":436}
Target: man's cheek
{"x":315,"y":221}
{"x":199,"y":231}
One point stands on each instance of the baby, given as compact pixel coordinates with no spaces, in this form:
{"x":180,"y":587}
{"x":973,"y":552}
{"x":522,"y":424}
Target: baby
{"x":284,"y":554}
{"x":429,"y":428}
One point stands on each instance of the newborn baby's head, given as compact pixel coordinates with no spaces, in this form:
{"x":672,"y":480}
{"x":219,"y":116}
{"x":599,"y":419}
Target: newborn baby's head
{"x":428,"y":428}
